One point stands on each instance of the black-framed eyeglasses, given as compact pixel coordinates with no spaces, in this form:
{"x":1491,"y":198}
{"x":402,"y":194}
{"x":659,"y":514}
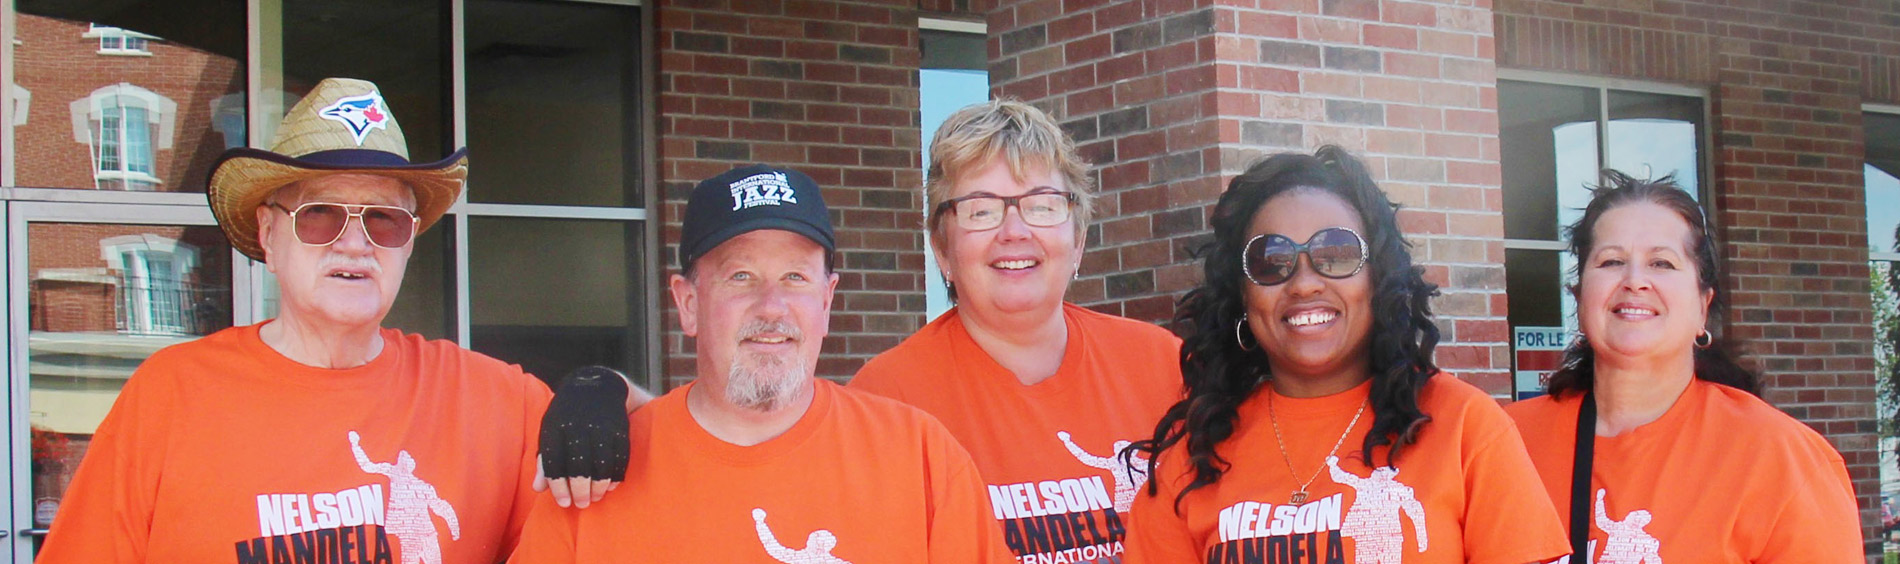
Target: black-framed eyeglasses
{"x":1043,"y":207}
{"x":1335,"y":252}
{"x":321,"y":223}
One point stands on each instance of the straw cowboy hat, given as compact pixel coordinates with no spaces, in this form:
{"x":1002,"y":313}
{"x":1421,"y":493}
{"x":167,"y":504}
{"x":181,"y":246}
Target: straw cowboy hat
{"x":342,"y":126}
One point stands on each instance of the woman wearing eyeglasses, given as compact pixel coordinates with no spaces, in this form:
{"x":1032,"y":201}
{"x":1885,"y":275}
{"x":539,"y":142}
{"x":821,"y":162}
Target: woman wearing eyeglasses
{"x":1042,"y":393}
{"x":1680,"y":461}
{"x":1316,"y":427}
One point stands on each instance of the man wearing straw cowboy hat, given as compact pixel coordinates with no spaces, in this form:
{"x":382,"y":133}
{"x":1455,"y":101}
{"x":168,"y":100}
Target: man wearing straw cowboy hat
{"x":320,"y":436}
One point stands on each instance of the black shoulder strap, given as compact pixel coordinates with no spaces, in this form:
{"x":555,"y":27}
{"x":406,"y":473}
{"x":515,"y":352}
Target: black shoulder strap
{"x":1580,"y":480}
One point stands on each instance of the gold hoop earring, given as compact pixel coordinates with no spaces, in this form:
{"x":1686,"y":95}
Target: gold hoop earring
{"x":1704,"y":339}
{"x":1238,"y":338}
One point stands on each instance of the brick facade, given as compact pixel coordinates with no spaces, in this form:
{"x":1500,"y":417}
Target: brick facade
{"x":1171,"y":99}
{"x":1786,"y":82}
{"x":829,"y":88}
{"x":76,"y":290}
{"x":58,"y":65}
{"x":1133,"y":83}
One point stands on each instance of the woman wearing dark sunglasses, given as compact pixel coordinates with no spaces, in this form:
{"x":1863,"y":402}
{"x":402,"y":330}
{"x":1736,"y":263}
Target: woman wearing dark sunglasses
{"x":1667,"y":416}
{"x":1316,"y":427}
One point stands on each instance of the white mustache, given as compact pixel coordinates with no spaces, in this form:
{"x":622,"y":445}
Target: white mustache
{"x":335,"y":261}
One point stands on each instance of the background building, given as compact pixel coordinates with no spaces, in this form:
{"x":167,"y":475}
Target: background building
{"x":589,"y":121}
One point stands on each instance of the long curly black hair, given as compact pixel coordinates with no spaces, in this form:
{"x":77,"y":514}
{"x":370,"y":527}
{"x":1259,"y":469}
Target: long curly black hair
{"x":1716,"y":362}
{"x":1219,"y":375}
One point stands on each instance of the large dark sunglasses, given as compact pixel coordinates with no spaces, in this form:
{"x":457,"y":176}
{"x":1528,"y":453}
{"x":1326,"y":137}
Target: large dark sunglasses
{"x":1334,"y":252}
{"x":322,"y":223}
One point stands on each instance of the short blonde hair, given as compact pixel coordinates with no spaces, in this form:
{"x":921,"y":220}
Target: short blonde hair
{"x":1015,"y":132}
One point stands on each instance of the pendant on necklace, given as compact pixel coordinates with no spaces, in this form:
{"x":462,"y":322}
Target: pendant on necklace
{"x":1299,"y":497}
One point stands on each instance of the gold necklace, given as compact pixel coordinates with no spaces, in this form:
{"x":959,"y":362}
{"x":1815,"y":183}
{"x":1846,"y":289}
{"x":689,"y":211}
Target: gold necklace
{"x":1299,"y":496}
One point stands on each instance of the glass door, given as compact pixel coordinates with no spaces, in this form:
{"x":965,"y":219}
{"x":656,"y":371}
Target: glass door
{"x":93,"y":290}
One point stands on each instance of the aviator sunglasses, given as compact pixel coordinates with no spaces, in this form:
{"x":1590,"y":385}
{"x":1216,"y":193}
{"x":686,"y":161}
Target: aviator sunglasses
{"x":321,"y":223}
{"x":1334,"y":252}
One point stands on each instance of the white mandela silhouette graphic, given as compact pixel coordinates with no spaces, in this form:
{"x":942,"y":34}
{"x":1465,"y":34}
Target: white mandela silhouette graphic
{"x":1373,"y":520}
{"x":1125,"y":484}
{"x":410,"y":501}
{"x":817,"y":550}
{"x":1628,"y":543}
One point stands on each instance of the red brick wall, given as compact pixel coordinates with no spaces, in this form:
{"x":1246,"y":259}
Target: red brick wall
{"x":826,"y":87}
{"x":960,"y":8}
{"x":1134,"y":84}
{"x":1173,"y":98}
{"x":1786,"y":80}
{"x":69,"y":306}
{"x":57,"y":65}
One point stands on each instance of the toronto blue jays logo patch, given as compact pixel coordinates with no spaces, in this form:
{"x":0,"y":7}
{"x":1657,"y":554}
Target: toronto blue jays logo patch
{"x":360,"y":113}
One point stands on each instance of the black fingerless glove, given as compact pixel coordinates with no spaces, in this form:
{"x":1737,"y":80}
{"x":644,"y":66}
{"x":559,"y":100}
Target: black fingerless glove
{"x":584,"y":433}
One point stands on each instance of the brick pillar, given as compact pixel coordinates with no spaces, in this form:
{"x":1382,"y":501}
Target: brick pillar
{"x":1792,"y":204}
{"x":825,"y":87}
{"x":1786,"y":84}
{"x":1171,"y":99}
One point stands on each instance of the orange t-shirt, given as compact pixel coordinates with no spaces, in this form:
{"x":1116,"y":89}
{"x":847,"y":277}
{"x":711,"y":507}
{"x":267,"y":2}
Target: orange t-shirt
{"x":1720,"y":477}
{"x":1465,"y":492}
{"x":858,"y":478}
{"x":223,"y":450}
{"x":1048,"y":452}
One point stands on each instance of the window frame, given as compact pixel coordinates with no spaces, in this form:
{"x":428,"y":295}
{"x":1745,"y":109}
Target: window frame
{"x":1876,"y":256}
{"x":1705,"y":167}
{"x":105,"y":33}
{"x":260,"y":109}
{"x":936,"y":293}
{"x":259,"y":118}
{"x":89,"y":120}
{"x":126,"y":168}
{"x":1888,"y":110}
{"x":1705,"y":172}
{"x":122,"y":252}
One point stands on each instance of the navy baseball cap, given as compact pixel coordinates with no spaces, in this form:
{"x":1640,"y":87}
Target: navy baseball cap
{"x":750,"y":198}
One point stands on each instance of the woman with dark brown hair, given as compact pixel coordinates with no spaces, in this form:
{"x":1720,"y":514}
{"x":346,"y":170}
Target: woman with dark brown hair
{"x":1316,"y":427}
{"x":1652,"y":442}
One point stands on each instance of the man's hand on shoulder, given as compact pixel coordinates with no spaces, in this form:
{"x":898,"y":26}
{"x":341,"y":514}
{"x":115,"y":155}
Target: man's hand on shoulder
{"x":584,"y":444}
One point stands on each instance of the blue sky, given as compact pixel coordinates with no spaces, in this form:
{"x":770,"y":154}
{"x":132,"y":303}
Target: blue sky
{"x":942,"y":92}
{"x":1883,"y":209}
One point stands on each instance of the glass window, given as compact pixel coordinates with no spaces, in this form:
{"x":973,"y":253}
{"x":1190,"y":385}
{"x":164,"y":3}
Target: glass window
{"x":123,"y":109}
{"x":155,"y":276}
{"x":1556,"y":138}
{"x":955,"y":50}
{"x":405,"y":53}
{"x":1655,"y":135}
{"x":954,"y":74}
{"x":1883,"y":243}
{"x":555,"y":121}
{"x":553,"y":103}
{"x":125,"y":143}
{"x":101,"y":298}
{"x":1882,"y":172}
{"x":595,"y":317}
{"x":115,"y":41}
{"x":1549,"y":137}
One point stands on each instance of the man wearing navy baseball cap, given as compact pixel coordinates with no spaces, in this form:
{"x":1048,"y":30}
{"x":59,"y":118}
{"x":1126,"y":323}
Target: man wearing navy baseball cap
{"x":757,"y":458}
{"x":758,"y":197}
